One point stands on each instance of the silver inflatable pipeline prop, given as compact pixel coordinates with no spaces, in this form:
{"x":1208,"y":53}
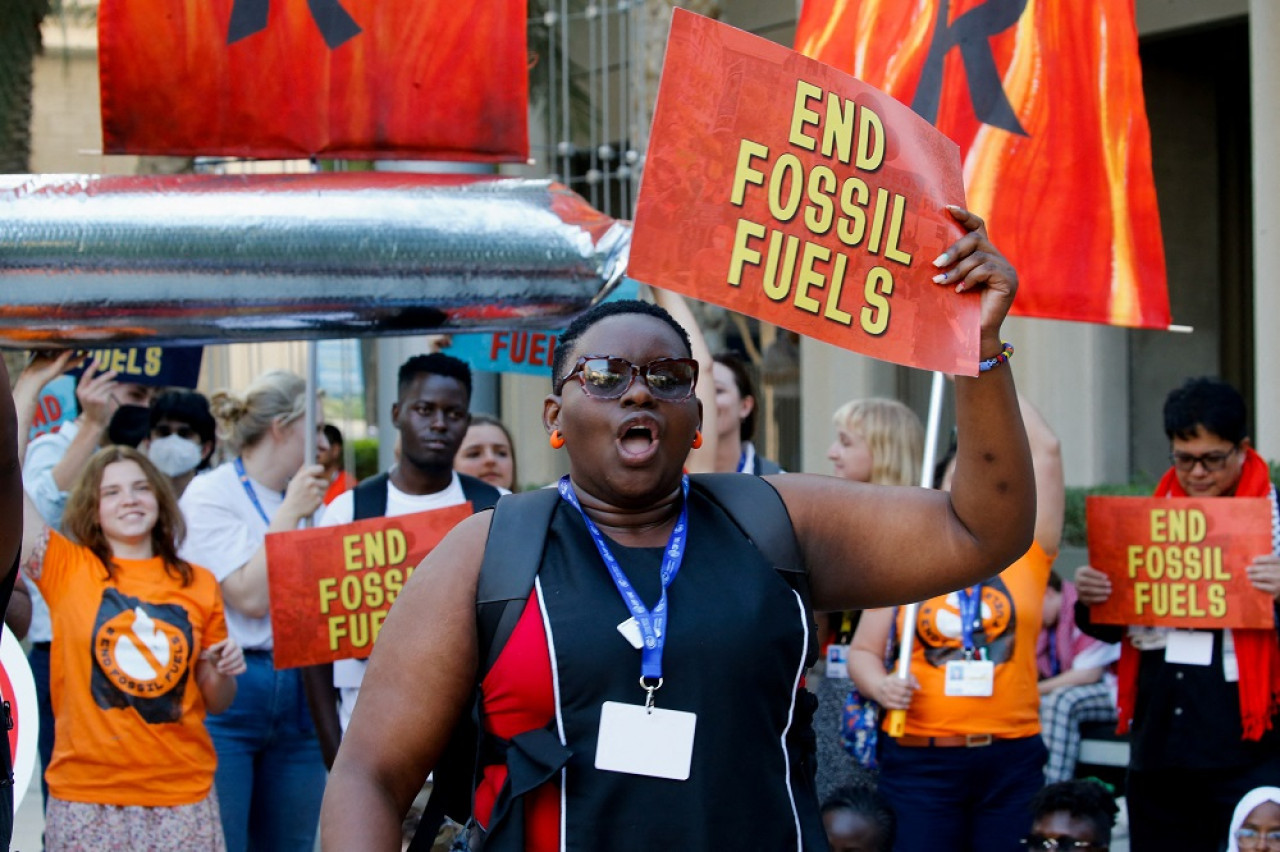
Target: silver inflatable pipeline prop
{"x":194,"y":259}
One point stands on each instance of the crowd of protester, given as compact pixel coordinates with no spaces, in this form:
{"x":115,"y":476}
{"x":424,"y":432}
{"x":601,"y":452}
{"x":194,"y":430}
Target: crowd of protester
{"x":145,"y":516}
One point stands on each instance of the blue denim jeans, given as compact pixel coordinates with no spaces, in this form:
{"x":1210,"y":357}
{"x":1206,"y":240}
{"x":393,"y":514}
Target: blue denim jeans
{"x":270,"y":777}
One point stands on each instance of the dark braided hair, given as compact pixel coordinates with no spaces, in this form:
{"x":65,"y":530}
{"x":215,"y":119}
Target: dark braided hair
{"x":864,"y":799}
{"x":604,"y":310}
{"x":1083,"y":799}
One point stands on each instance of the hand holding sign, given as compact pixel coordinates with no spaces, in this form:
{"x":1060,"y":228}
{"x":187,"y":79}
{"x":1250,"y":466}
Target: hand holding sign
{"x":976,"y":264}
{"x":1264,"y":574}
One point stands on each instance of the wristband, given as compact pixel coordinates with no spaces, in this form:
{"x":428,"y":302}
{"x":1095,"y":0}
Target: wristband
{"x":1005,"y":351}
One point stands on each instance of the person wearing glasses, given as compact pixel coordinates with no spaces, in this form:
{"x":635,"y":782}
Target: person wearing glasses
{"x":1203,"y":732}
{"x":1255,"y":826}
{"x":648,"y":691}
{"x":1071,"y":816}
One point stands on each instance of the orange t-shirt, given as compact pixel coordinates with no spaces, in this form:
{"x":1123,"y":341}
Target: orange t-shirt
{"x":129,"y":714}
{"x":1012,"y":611}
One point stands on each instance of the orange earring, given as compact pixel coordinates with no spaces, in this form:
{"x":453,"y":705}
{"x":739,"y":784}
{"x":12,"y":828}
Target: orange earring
{"x":697,"y":439}
{"x":556,"y":440}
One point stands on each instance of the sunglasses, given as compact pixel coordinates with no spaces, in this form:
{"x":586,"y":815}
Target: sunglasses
{"x":164,"y":430}
{"x":604,"y":377}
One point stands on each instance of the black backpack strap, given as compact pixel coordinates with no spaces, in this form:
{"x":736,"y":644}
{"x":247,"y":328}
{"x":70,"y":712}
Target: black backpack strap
{"x":513,"y":551}
{"x":370,"y":499}
{"x":765,"y":467}
{"x":479,"y":493}
{"x":757,"y":510}
{"x":517,"y":535}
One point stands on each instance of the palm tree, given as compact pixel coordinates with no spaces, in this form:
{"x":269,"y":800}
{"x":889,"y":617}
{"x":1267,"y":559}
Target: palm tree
{"x":19,"y":44}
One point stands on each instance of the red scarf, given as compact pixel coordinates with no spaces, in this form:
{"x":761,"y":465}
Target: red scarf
{"x":1257,"y":651}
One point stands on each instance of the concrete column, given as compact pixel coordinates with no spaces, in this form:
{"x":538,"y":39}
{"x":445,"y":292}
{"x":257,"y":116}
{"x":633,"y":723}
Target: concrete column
{"x":1264,"y":47}
{"x":1075,"y":374}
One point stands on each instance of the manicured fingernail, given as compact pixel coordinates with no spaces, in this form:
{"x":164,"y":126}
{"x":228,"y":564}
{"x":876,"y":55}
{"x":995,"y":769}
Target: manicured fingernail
{"x":938,"y":279}
{"x":942,"y":260}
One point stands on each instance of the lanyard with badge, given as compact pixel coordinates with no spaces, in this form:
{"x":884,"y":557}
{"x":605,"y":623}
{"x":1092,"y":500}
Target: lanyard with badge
{"x":970,"y":677}
{"x":248,"y":489}
{"x":642,"y":739}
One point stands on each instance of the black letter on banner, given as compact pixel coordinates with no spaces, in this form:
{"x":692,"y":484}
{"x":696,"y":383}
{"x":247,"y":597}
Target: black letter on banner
{"x":971,"y":33}
{"x":335,"y":24}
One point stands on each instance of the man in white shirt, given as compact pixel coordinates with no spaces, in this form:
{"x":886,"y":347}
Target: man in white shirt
{"x":431,"y":414}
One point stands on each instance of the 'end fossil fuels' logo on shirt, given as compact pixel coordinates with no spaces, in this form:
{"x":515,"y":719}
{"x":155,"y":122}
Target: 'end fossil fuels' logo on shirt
{"x":142,"y":656}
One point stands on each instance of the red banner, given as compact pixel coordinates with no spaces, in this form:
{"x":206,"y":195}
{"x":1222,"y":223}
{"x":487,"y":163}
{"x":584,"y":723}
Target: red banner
{"x":1180,"y":563}
{"x":331,"y":587}
{"x":1045,"y":101}
{"x":782,"y":188}
{"x":366,"y":79}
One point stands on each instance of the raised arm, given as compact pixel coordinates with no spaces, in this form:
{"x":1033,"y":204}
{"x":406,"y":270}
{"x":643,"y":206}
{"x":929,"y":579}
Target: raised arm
{"x":420,"y":678}
{"x":95,"y":393}
{"x":44,"y":367}
{"x":872,"y":545}
{"x":246,"y":589}
{"x":1046,"y":460}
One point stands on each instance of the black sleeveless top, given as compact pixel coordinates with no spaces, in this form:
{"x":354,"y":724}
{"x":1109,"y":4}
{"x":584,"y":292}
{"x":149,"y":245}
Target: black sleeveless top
{"x":735,"y":653}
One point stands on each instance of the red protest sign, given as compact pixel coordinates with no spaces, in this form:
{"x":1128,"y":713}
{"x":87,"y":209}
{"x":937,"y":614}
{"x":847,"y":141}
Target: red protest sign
{"x":1180,"y":562}
{"x":784,"y":189}
{"x":331,"y":587}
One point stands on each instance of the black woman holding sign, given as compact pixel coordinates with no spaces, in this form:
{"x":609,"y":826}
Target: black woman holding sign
{"x":680,"y":726}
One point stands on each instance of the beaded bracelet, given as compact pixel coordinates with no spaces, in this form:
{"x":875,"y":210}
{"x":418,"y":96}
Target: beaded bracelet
{"x":1006,"y":350}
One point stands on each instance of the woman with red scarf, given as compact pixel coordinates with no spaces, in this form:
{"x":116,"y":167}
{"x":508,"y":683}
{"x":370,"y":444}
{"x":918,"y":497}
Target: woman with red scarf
{"x":1202,"y":735}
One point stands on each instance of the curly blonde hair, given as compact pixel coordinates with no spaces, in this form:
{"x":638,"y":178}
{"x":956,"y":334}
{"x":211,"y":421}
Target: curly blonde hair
{"x":894,"y":435}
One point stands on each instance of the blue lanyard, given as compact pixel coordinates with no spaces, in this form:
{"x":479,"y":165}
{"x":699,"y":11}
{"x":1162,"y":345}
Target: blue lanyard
{"x":653,"y":622}
{"x":970,"y":615}
{"x":248,"y":489}
{"x":742,"y":461}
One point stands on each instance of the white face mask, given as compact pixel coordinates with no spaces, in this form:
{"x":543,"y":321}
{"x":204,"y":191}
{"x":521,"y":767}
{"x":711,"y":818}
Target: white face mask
{"x":174,"y":455}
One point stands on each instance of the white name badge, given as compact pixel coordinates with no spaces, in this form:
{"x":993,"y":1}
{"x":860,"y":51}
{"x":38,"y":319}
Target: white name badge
{"x":640,"y":741}
{"x":837,"y":662}
{"x":971,"y":678}
{"x":1189,"y":647}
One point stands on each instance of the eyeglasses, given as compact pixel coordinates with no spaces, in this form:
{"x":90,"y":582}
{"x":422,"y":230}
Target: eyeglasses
{"x":164,"y":430}
{"x":1212,"y":462}
{"x":1249,"y":838}
{"x":605,"y":377}
{"x":1038,"y":841}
